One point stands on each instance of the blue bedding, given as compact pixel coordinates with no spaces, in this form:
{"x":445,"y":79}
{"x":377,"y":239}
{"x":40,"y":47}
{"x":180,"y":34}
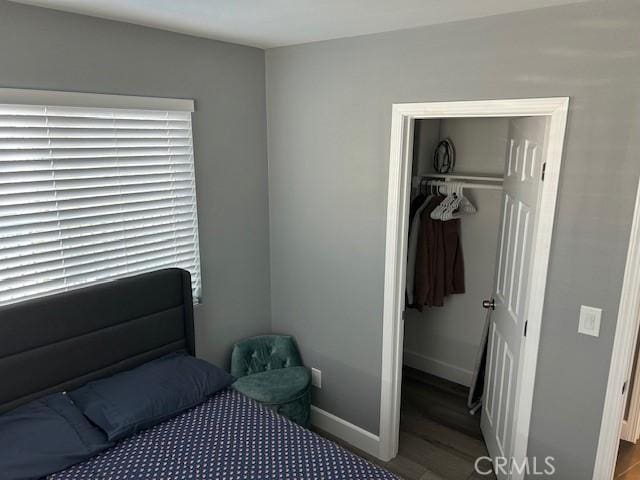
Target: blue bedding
{"x":228,"y":437}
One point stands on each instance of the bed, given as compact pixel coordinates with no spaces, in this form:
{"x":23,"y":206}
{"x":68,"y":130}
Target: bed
{"x":61,"y":342}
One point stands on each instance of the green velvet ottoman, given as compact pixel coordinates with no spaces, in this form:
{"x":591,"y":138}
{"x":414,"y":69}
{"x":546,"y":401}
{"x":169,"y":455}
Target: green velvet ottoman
{"x":269,"y":369}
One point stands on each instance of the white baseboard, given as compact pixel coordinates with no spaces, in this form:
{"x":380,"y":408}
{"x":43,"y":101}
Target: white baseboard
{"x":438,"y":368}
{"x":350,"y":433}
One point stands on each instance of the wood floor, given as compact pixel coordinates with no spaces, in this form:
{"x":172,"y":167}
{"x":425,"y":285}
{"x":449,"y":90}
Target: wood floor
{"x":439,"y":440}
{"x":628,"y":464}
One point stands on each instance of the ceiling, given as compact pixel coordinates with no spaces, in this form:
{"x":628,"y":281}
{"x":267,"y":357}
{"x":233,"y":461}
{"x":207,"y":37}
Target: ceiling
{"x":274,"y":23}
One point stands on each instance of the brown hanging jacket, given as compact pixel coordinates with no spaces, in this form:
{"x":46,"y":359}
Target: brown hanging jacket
{"x":439,"y":263}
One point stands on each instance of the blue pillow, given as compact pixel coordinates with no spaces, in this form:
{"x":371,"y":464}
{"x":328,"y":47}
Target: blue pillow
{"x":46,"y":436}
{"x":147,"y":395}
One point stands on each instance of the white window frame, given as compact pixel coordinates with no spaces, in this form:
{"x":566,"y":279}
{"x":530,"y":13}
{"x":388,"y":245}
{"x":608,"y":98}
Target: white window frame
{"x":92,"y":100}
{"x":13,"y":96}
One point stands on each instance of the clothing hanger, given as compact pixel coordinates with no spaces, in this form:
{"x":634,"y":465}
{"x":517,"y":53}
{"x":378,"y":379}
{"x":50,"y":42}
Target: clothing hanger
{"x":440,"y":209}
{"x":423,"y":183}
{"x":466,"y":205}
{"x":463,"y":207}
{"x":435,"y":213}
{"x":453,"y":206}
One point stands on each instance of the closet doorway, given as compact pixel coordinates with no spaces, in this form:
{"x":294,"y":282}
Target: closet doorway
{"x":515,"y":283}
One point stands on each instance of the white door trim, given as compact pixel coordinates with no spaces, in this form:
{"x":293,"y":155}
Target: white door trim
{"x":631,"y":427}
{"x":622,"y":356}
{"x":402,"y":121}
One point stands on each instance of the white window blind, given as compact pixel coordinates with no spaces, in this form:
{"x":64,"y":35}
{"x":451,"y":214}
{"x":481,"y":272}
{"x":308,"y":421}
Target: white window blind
{"x":92,"y":194}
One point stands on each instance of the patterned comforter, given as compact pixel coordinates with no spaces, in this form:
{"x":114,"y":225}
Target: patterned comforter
{"x":228,"y":437}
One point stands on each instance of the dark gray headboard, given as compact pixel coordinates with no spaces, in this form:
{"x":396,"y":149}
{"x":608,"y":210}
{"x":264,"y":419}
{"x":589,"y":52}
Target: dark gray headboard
{"x":62,"y":341}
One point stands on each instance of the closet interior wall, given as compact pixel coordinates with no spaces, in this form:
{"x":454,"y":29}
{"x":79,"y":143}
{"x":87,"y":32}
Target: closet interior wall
{"x":443,"y":341}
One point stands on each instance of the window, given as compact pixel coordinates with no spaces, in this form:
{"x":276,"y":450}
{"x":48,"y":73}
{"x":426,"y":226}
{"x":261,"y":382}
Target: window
{"x":90,"y":193}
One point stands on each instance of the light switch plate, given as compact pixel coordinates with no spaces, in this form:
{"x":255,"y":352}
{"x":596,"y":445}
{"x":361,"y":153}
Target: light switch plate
{"x":316,"y":378}
{"x":589,"y":321}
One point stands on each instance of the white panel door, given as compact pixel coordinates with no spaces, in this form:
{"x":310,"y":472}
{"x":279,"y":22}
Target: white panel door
{"x":523,"y":170}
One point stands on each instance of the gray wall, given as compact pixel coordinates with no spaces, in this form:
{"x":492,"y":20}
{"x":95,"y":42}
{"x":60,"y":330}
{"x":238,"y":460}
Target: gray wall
{"x":329,"y":107}
{"x":44,"y":49}
{"x":444,"y":341}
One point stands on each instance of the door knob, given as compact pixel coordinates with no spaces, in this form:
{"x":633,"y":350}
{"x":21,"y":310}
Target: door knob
{"x":489,"y":304}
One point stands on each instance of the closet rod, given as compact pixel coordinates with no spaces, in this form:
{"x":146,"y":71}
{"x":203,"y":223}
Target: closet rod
{"x":481,"y":186}
{"x":453,"y":176}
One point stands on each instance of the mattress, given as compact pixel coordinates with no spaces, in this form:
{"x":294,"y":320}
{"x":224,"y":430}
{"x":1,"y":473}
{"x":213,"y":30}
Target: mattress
{"x":228,"y":437}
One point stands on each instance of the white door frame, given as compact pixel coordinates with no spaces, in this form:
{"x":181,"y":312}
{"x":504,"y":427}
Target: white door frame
{"x":630,"y":430}
{"x":621,"y":357}
{"x":403,"y":117}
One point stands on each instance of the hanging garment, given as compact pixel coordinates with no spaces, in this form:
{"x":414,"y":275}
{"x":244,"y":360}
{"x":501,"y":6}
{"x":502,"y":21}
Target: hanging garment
{"x":439,"y":266}
{"x":415,"y":205}
{"x":453,"y":260}
{"x":429,"y":266}
{"x":414,"y":228}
